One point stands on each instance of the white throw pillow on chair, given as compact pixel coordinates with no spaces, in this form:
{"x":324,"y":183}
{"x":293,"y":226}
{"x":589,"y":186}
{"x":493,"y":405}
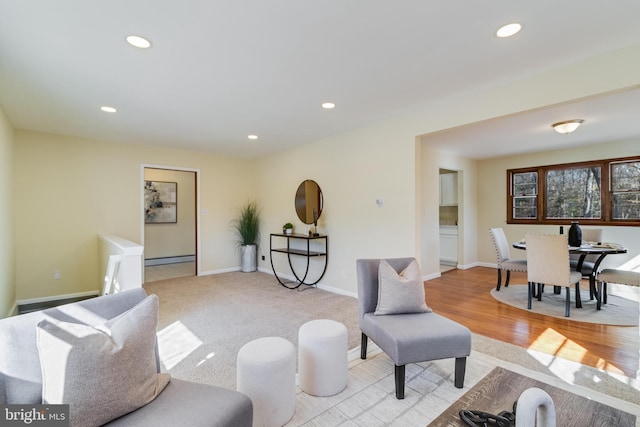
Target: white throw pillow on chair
{"x":400,"y":293}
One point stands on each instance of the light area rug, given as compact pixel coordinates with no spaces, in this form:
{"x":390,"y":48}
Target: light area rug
{"x":205,"y":320}
{"x":622,"y":306}
{"x":369,"y":398}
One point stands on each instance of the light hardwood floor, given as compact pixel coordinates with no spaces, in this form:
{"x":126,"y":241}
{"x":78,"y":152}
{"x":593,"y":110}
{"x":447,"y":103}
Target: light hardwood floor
{"x":463,"y":295}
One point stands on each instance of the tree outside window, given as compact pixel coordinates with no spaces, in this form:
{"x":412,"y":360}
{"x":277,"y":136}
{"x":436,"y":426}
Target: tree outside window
{"x":600,"y":192}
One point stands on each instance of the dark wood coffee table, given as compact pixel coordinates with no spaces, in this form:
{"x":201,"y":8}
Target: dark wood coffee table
{"x":500,"y":388}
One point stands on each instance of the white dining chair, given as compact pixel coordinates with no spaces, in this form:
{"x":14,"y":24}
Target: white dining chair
{"x":612,"y":275}
{"x":548,"y":263}
{"x":503,"y":256}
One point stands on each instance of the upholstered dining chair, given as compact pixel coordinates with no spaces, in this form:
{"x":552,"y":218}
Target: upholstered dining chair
{"x":407,"y":337}
{"x":548,"y":263}
{"x":612,"y":275}
{"x":503,"y":256}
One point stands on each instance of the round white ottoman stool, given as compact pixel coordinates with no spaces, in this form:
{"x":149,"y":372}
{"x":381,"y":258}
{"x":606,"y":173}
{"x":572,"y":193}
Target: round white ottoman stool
{"x":266,"y":373}
{"x":322,"y":357}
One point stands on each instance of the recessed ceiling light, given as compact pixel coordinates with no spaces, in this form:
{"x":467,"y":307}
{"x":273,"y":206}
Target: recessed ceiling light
{"x":509,"y":30}
{"x":108,"y":109}
{"x":138,"y":41}
{"x":253,"y":137}
{"x":328,"y":105}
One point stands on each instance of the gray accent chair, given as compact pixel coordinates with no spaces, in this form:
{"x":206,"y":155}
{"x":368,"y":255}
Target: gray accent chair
{"x":612,"y":275}
{"x":503,"y":256}
{"x":181,"y":403}
{"x":408,"y":338}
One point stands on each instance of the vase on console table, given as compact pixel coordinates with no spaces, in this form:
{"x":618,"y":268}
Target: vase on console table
{"x":575,"y":234}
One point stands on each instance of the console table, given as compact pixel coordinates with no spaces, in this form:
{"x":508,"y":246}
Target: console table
{"x":301,"y":250}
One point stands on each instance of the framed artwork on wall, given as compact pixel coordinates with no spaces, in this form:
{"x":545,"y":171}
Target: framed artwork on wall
{"x":160,"y":202}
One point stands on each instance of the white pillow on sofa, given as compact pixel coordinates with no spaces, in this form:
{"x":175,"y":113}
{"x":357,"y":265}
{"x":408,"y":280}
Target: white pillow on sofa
{"x":400,"y":293}
{"x":102,"y":372}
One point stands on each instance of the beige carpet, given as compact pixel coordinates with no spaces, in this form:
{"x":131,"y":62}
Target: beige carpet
{"x":618,"y":310}
{"x":204,"y":321}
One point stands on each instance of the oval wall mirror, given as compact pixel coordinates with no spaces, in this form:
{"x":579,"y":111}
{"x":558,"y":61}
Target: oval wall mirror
{"x":309,"y":202}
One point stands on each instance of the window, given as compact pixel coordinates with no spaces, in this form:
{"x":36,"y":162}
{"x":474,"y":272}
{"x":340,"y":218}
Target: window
{"x":603,"y":192}
{"x":525,"y":195}
{"x":625,"y":189}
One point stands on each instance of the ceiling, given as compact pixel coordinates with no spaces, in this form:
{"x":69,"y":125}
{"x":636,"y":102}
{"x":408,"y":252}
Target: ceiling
{"x":218,"y":71}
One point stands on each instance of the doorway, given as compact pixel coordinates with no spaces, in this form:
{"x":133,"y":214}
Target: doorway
{"x":448,"y":220}
{"x":170,"y":222}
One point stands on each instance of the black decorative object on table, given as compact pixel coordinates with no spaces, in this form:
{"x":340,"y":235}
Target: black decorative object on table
{"x":575,"y":234}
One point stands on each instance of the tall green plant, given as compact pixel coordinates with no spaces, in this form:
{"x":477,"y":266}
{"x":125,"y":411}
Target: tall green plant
{"x":248,"y":224}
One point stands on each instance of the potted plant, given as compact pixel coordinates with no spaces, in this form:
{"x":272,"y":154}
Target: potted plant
{"x":287,"y":228}
{"x":247,"y":226}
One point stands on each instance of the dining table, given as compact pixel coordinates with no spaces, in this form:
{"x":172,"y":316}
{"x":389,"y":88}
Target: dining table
{"x":600,"y":249}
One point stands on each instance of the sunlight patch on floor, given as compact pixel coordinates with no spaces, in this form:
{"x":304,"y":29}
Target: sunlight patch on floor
{"x":554,"y":345}
{"x":175,"y":343}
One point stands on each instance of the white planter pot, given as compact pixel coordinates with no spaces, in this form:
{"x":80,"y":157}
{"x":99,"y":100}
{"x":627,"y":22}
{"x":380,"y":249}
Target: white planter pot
{"x":288,"y":230}
{"x":248,"y":258}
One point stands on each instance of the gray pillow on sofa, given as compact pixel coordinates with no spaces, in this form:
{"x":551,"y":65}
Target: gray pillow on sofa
{"x":400,"y":293}
{"x":103,"y":372}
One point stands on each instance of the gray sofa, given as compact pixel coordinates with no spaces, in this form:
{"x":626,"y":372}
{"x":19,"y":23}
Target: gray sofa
{"x":180,"y":403}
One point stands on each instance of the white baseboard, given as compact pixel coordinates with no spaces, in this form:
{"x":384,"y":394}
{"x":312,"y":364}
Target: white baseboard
{"x":483,"y":264}
{"x":318,"y":285}
{"x":57,"y":297}
{"x":431,"y":276}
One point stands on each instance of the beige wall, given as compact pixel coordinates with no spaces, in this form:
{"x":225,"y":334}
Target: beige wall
{"x":492,"y":203}
{"x":7,"y":235}
{"x":353,"y":170}
{"x":71,"y":189}
{"x":174,"y":239}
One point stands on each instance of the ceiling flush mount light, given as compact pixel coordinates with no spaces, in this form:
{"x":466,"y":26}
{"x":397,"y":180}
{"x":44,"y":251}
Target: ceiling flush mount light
{"x":328,"y":105}
{"x":108,"y":109}
{"x":252,"y":136}
{"x":509,"y":30}
{"x":567,"y":126}
{"x":138,"y":41}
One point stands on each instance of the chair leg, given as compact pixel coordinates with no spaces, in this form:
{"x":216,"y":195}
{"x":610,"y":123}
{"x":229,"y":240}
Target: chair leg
{"x":540,"y":291}
{"x":568,"y":302}
{"x":604,"y":293}
{"x":400,"y":381}
{"x":461,"y":364}
{"x":599,"y":296}
{"x":506,"y":282}
{"x":530,"y":294}
{"x":363,"y":346}
{"x":499,"y":279}
{"x":578,"y":297}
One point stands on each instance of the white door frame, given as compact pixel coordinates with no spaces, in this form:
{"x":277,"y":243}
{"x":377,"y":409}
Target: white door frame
{"x":175,"y":168}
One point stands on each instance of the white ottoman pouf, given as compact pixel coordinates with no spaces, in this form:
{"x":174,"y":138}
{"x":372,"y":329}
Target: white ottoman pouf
{"x":322,"y":357}
{"x":266,"y":373}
